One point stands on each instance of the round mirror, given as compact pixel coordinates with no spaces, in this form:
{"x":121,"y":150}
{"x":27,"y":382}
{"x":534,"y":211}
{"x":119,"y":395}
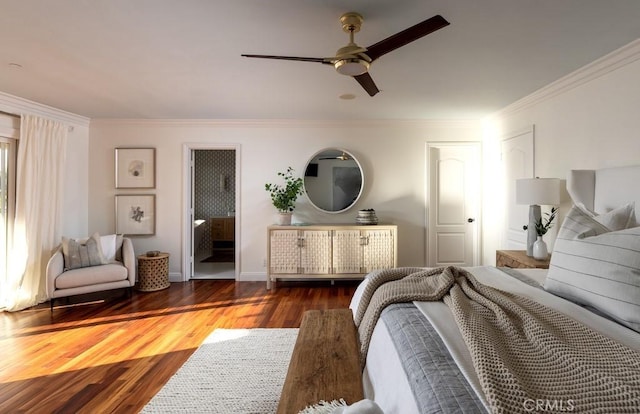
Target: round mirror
{"x":333,"y":180}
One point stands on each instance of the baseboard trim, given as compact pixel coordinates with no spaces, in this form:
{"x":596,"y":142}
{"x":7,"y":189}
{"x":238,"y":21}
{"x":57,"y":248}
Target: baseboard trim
{"x":175,"y":277}
{"x":252,"y":277}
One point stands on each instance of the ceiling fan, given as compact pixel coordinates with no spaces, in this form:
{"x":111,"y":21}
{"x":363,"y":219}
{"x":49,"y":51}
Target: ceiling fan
{"x":342,"y":157}
{"x":353,"y":60}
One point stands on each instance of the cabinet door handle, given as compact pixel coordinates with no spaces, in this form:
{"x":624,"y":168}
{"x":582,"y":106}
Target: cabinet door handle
{"x":470,"y":220}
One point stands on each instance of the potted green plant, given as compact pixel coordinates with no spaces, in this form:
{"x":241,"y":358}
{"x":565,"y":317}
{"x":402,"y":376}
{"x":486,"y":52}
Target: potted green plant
{"x":542,"y":227}
{"x":284,"y":196}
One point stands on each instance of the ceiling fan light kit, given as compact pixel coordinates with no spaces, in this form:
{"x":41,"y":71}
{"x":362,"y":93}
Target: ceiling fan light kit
{"x":342,"y":157}
{"x":352,"y":67}
{"x":355,"y":61}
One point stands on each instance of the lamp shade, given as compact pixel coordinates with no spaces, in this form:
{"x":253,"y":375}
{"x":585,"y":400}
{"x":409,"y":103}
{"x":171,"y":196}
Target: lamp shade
{"x":540,"y":191}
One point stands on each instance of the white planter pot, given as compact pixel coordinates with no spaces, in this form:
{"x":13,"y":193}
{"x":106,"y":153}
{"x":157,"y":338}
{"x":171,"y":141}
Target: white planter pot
{"x":540,"y":249}
{"x":284,"y":218}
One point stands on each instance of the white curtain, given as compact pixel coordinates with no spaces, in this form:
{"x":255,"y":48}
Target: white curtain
{"x":38,"y":212}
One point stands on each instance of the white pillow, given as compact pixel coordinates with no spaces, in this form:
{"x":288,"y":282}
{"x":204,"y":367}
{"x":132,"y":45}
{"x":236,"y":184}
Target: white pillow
{"x":596,"y":267}
{"x":108,"y":244}
{"x":619,"y":218}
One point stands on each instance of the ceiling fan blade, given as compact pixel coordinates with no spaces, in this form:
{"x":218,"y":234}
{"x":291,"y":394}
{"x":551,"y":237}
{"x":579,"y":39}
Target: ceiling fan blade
{"x":298,"y":58}
{"x":406,"y":36}
{"x":366,"y":81}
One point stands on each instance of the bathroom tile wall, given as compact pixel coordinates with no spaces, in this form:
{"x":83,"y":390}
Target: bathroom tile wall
{"x":214,"y":188}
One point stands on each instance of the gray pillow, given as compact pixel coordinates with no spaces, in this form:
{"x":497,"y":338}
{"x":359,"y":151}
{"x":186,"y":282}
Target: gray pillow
{"x":594,"y":266}
{"x":78,"y":253}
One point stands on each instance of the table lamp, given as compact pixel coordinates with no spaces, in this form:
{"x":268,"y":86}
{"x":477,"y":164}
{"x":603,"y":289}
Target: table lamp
{"x":536,"y":191}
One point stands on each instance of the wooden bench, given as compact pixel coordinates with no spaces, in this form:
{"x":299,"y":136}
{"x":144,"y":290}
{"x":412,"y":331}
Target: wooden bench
{"x":325,"y":364}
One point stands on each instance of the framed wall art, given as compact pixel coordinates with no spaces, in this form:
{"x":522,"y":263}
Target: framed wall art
{"x":136,"y":214}
{"x":135,"y":167}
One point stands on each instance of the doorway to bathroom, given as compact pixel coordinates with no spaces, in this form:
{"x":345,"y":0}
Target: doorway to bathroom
{"x":213,"y":207}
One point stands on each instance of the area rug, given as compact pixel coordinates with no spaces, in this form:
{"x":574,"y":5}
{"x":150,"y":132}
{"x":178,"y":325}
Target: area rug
{"x":233,"y":371}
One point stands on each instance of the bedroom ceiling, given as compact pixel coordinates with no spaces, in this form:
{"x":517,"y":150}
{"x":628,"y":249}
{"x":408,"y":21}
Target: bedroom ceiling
{"x":181,"y":59}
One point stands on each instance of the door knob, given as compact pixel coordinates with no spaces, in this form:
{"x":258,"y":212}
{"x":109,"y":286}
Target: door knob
{"x":470,"y":220}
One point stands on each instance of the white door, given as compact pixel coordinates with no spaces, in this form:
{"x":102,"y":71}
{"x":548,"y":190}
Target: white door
{"x":453,"y":194}
{"x":190,"y":210}
{"x":189,"y":265}
{"x":517,"y":162}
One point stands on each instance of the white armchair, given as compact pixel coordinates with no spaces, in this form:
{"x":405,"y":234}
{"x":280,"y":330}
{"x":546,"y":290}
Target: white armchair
{"x":119,"y":273}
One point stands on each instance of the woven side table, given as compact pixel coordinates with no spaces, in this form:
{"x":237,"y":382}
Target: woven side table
{"x":153,"y":272}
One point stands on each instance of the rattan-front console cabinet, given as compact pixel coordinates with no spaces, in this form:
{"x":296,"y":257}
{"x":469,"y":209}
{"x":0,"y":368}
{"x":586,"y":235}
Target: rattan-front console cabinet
{"x":329,"y":251}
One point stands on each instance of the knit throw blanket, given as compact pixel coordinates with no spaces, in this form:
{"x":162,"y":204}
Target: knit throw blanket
{"x":527,"y":356}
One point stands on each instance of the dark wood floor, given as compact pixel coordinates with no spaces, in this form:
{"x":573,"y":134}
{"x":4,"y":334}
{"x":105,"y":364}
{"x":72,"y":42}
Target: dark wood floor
{"x":110,"y":353}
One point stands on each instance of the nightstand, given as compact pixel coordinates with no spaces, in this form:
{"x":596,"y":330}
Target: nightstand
{"x":518,"y":259}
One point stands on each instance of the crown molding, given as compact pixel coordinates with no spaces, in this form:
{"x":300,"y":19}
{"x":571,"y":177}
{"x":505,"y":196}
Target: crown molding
{"x":609,"y":63}
{"x":289,"y":123}
{"x":19,"y":106}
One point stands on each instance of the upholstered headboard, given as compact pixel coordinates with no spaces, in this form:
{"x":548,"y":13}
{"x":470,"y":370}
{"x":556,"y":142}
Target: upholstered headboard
{"x":605,"y":189}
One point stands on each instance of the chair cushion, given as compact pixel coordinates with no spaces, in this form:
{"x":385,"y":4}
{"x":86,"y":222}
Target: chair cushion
{"x":94,"y":275}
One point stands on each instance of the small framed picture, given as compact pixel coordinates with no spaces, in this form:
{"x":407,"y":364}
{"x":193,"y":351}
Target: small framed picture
{"x":136,"y":214}
{"x":135,"y":167}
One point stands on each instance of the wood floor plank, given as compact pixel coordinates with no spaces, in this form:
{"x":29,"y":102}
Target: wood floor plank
{"x":111,"y":353}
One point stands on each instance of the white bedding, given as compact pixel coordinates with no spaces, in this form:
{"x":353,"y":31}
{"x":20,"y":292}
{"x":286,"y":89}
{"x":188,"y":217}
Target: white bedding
{"x":384,"y":378}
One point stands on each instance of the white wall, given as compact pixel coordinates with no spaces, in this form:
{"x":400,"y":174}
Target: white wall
{"x":391,"y":154}
{"x":76,"y":187}
{"x":586,"y":120}
{"x":76,"y":191}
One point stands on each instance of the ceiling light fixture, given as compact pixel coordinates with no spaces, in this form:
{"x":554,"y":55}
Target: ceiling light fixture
{"x":352,"y":66}
{"x":354,"y":61}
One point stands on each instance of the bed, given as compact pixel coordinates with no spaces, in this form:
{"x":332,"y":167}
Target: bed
{"x":417,"y":360}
